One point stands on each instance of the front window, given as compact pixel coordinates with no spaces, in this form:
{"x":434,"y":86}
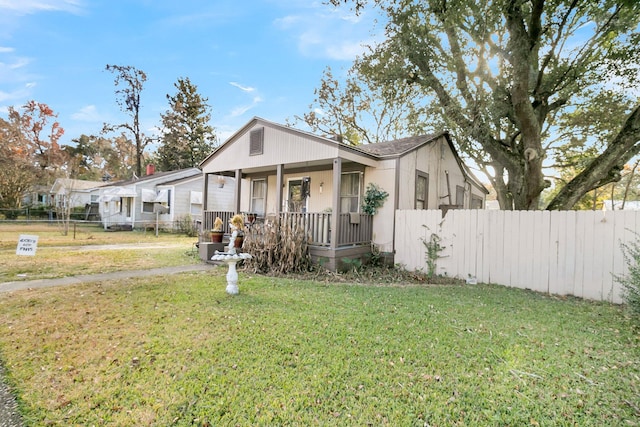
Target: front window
{"x":350,"y":192}
{"x":459,"y":196}
{"x":422,"y":190}
{"x":476,"y":202}
{"x":258,"y":196}
{"x":147,"y":207}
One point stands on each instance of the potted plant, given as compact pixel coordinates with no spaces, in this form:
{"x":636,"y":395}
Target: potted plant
{"x":237,"y":236}
{"x":216,"y":231}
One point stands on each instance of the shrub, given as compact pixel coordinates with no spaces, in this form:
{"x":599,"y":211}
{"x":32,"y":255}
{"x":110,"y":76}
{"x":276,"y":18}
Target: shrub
{"x":186,"y":225}
{"x":12,"y":214}
{"x":277,"y":247}
{"x":631,"y":281}
{"x":374,"y":198}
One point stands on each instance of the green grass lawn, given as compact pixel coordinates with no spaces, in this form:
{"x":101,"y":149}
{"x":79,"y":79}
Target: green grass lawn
{"x":60,"y":256}
{"x":179,"y":351}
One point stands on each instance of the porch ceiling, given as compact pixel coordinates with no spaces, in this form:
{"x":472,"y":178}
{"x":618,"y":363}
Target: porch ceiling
{"x":323,"y":164}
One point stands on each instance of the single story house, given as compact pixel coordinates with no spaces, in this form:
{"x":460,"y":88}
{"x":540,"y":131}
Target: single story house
{"x":321,"y":183}
{"x":38,"y":196}
{"x":163,"y":196}
{"x":74,"y":193}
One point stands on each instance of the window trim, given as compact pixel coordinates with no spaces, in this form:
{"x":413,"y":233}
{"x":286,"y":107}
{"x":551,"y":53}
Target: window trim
{"x":357,"y":196}
{"x":460,"y":190}
{"x":420,"y":174}
{"x":252,"y":199}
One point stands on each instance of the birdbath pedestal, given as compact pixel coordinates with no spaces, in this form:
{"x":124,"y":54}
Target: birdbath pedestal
{"x":231,"y":259}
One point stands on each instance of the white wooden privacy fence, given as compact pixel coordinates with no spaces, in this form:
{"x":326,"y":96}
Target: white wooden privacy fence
{"x":566,"y":253}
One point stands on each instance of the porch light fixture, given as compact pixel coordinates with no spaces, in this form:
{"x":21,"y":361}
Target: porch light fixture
{"x":221,"y":181}
{"x":321,"y":185}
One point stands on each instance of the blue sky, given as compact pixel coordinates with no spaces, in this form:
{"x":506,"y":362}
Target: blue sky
{"x":250,"y":58}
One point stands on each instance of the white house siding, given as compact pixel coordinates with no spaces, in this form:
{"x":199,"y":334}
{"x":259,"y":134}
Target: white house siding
{"x":279,"y":147}
{"x":219,"y":198}
{"x":385,"y":177}
{"x":222,"y":198}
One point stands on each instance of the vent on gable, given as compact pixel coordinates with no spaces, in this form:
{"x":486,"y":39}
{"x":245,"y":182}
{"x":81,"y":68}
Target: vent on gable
{"x":256,"y":142}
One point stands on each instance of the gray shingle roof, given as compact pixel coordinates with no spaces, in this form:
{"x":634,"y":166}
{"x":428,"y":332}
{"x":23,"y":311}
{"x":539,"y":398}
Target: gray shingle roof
{"x":396,"y":147}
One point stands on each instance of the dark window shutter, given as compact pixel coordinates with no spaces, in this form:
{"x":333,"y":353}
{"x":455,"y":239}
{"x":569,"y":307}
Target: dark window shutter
{"x":256,"y":142}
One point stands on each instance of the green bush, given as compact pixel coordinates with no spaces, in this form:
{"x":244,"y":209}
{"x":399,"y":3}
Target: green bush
{"x":374,"y":198}
{"x":186,"y":225}
{"x":631,"y":281}
{"x":12,"y":213}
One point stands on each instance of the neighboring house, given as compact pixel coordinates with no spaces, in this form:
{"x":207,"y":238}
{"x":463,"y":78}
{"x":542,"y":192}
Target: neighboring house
{"x":187,"y":196}
{"x":37,"y":197}
{"x":628,"y":205}
{"x":321,"y":183}
{"x":72,"y":193}
{"x":162,"y":196}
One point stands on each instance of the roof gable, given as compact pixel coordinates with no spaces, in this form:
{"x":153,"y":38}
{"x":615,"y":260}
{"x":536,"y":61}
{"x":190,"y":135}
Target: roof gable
{"x":282,"y":144}
{"x":162,"y":177}
{"x":398,"y":146}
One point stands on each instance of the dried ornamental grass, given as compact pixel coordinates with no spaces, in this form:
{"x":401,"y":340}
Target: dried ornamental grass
{"x":277,"y":247}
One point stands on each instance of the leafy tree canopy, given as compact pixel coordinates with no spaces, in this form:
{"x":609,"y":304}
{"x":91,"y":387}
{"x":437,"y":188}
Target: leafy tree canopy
{"x":187,"y":137}
{"x":506,"y":76}
{"x":129,"y":82}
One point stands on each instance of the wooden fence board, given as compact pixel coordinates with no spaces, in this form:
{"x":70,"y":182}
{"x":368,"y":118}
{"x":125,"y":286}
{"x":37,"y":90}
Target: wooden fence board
{"x":584,"y":261}
{"x":567,"y":253}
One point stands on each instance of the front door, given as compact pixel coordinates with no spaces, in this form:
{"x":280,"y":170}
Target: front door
{"x":297,"y":200}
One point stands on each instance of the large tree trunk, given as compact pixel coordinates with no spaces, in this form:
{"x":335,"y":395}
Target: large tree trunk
{"x":528,"y":176}
{"x":605,"y":168}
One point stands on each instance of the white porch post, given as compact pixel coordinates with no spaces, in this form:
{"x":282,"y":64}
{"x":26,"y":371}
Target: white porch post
{"x":205,"y":192}
{"x":279,"y":183}
{"x":238,"y":190}
{"x":335,"y":211}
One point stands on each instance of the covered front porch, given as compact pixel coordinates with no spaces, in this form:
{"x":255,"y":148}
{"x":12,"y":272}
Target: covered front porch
{"x":331,"y":237}
{"x":304,"y":198}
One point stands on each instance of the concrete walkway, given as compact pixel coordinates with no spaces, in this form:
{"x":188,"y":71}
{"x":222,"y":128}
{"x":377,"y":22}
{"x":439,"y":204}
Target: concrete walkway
{"x":116,"y":275}
{"x":9,"y":416}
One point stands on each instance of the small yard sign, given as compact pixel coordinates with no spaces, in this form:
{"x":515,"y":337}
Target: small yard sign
{"x":27,"y":245}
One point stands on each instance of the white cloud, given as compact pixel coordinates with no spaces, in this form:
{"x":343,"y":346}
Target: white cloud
{"x":243,"y":88}
{"x":240,"y":110}
{"x":25,"y":7}
{"x":17,"y":95}
{"x":336,"y":34}
{"x":4,"y":49}
{"x":19,"y":63}
{"x":88,"y":113}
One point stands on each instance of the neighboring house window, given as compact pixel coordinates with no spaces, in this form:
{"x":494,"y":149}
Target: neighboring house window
{"x":94,"y":198}
{"x":147,"y":207}
{"x":476,"y":202}
{"x":256,"y":142}
{"x":459,"y":196}
{"x":258,"y":196}
{"x":422,"y":190}
{"x":148,"y":198}
{"x":125,"y":206}
{"x":195,"y":202}
{"x":350,"y":192}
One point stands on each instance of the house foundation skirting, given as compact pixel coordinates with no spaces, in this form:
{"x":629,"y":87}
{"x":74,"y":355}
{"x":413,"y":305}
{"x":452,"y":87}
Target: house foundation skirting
{"x":334,"y":259}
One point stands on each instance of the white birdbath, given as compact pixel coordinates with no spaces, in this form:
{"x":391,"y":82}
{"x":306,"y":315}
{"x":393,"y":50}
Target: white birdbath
{"x":231,"y":259}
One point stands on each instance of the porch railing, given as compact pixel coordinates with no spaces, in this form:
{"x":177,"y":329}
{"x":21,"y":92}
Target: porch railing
{"x":353,"y":228}
{"x":209,"y":218}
